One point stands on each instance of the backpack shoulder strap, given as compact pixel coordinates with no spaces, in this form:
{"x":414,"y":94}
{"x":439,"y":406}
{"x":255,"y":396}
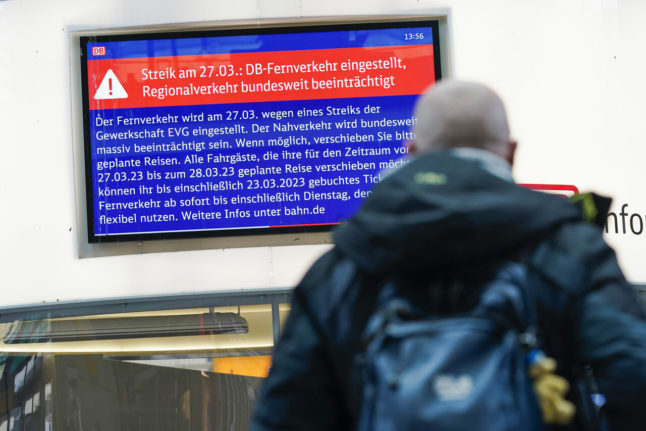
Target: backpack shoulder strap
{"x":557,"y":268}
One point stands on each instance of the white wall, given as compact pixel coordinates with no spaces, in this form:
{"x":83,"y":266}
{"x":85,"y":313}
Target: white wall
{"x":571,"y":73}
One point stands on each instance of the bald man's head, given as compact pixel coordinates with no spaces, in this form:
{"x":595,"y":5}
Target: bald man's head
{"x":461,"y":114}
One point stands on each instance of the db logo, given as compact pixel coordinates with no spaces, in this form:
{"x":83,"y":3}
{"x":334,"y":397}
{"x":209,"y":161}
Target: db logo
{"x":98,"y":50}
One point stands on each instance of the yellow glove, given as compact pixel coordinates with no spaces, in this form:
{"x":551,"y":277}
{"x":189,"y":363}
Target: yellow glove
{"x":550,"y":390}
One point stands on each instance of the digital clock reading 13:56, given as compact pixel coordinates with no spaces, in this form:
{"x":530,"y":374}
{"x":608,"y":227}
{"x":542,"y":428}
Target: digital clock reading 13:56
{"x":413,"y":36}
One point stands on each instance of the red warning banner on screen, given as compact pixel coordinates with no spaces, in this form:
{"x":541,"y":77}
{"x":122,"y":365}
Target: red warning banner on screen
{"x":259,"y":77}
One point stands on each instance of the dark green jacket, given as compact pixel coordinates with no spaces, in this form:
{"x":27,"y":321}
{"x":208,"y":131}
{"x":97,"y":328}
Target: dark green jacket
{"x":440,"y":214}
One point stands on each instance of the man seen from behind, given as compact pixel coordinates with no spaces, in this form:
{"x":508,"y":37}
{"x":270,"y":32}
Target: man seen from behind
{"x":453,"y":209}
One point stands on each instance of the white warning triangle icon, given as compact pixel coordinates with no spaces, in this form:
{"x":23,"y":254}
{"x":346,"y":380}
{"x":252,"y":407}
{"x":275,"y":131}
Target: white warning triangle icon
{"x":110,"y":88}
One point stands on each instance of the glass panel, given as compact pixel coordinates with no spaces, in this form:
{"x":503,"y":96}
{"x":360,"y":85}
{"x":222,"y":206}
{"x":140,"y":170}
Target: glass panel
{"x":284,"y":310}
{"x":174,"y":369}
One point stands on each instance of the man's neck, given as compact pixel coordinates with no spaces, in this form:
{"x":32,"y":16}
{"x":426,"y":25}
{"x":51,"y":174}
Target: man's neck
{"x":490,"y":162}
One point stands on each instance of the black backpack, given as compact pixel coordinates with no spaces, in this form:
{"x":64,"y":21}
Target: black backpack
{"x":466,"y":368}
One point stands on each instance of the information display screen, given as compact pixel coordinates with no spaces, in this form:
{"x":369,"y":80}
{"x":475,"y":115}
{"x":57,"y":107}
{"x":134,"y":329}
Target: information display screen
{"x":247,"y":130}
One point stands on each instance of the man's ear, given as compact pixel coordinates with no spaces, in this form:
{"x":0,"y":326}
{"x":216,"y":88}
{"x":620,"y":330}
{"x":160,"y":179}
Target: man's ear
{"x":511,"y":151}
{"x":411,"y":146}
